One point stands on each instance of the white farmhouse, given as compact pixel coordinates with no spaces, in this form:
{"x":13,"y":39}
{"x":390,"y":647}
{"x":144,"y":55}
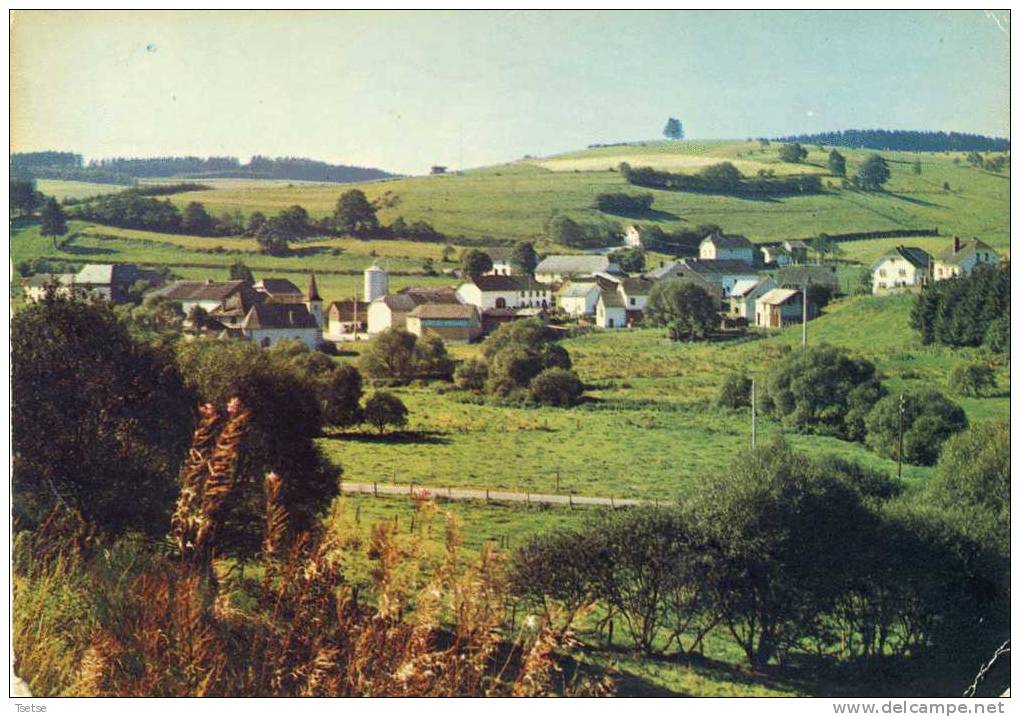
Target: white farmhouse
{"x":501,"y":261}
{"x":578,"y":298}
{"x":206,"y":294}
{"x":504,"y":292}
{"x":719,"y":246}
{"x":632,"y":237}
{"x":391,"y":310}
{"x":745,"y":295}
{"x":723,"y":273}
{"x":634,"y":292}
{"x":962,"y":258}
{"x":779,"y":308}
{"x":902,"y":267}
{"x":269,"y":323}
{"x":610,"y":313}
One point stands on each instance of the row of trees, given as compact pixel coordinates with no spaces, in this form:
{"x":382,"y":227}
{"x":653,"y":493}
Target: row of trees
{"x":970,"y":310}
{"x":722,"y":178}
{"x":904,"y":140}
{"x":624,"y":204}
{"x":568,"y":232}
{"x":781,"y":554}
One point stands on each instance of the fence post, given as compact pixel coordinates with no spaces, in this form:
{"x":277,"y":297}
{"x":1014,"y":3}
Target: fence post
{"x":612,"y":503}
{"x":449,"y":492}
{"x":375,"y":489}
{"x":557,"y":480}
{"x":571,"y":495}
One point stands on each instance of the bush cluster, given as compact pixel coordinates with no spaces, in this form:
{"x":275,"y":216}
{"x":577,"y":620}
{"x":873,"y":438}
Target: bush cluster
{"x":778,"y":553}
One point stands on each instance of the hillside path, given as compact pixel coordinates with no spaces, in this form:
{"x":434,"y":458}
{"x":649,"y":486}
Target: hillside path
{"x":390,"y":489}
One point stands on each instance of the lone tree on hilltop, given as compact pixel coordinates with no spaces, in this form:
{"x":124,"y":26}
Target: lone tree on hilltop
{"x":674,"y":129}
{"x":872,"y":174}
{"x":837,"y":163}
{"x":54,"y":221}
{"x":354,"y":213}
{"x":792,"y":153}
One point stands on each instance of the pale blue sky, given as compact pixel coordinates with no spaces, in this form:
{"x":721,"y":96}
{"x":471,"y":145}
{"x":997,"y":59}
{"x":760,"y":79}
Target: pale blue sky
{"x":404,"y":90}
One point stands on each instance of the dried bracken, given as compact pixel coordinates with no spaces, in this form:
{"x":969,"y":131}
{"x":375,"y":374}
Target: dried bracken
{"x":164,"y":626}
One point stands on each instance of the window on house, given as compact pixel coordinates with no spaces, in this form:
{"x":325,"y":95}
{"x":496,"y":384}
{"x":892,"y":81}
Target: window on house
{"x":881,"y":272}
{"x":903,"y":272}
{"x":633,"y":301}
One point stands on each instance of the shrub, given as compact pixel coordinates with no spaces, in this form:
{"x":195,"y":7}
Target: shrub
{"x":99,"y":420}
{"x":625,"y":204}
{"x":971,"y":379}
{"x":399,"y":356}
{"x":556,"y":387}
{"x":822,"y":390}
{"x":997,"y":335}
{"x":929,"y":418}
{"x":687,"y":310}
{"x":384,"y":409}
{"x":471,"y":375}
{"x":735,"y":391}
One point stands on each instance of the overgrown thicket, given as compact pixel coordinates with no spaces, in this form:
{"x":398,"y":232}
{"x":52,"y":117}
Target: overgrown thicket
{"x":970,"y":310}
{"x":782,"y":555}
{"x":827,"y":391}
{"x":166,"y":618}
{"x":396,"y":356}
{"x":723,"y":178}
{"x":523,"y":363}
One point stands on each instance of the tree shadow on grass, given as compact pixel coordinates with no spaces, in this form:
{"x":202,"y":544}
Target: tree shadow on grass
{"x":394,"y":437}
{"x":71,"y":248}
{"x":914,"y":200}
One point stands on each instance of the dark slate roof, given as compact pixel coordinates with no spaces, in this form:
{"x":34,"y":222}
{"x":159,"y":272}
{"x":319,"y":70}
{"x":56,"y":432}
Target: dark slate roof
{"x":611,"y":299}
{"x":662,"y":272}
{"x":797,"y":276}
{"x":279,"y":316}
{"x":636,"y":286}
{"x":199,"y":290}
{"x":445,"y":311}
{"x":496,"y":282}
{"x":276,"y":287}
{"x":968,"y":247}
{"x":345,"y":310}
{"x":729,"y":241}
{"x":499,"y":253}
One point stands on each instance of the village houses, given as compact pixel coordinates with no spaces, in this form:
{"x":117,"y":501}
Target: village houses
{"x":719,"y":246}
{"x":904,"y":266}
{"x":962,"y":257}
{"x":577,"y":299}
{"x":558,"y":268}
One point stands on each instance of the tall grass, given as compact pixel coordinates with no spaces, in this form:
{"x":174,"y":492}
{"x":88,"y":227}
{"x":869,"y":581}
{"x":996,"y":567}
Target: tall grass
{"x":124,"y":617}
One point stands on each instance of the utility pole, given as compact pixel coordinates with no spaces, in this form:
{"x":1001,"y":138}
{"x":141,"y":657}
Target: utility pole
{"x":803,"y":320}
{"x":899,"y":452}
{"x":753,"y":417}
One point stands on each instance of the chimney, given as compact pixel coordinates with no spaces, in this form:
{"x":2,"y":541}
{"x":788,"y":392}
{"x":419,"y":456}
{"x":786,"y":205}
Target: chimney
{"x":956,"y":244}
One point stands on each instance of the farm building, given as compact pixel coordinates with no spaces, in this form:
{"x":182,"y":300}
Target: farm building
{"x":775,"y":254}
{"x":578,"y":298}
{"x":279,"y":291}
{"x":268,"y":323}
{"x":780,"y":307}
{"x":231,"y":312}
{"x":35,"y":287}
{"x":206,"y":294}
{"x":610,"y":313}
{"x":680,"y":270}
{"x":745,"y":295}
{"x":632,"y":237}
{"x":504,"y":292}
{"x":345,"y":320}
{"x":501,"y":261}
{"x":797,"y":250}
{"x":962,"y":258}
{"x":723,"y":273}
{"x":902,"y":267}
{"x":391,"y":310}
{"x":561,"y":267}
{"x":721,"y":247}
{"x":796,"y":277}
{"x":634,"y":291}
{"x":454,"y":323}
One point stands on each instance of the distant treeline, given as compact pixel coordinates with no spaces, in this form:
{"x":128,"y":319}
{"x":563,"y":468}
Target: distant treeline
{"x":723,"y":178}
{"x":904,"y":140}
{"x":148,"y":190}
{"x":125,"y":170}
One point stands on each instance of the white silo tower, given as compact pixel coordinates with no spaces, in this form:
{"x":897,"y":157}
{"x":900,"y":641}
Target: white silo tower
{"x":377,"y":283}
